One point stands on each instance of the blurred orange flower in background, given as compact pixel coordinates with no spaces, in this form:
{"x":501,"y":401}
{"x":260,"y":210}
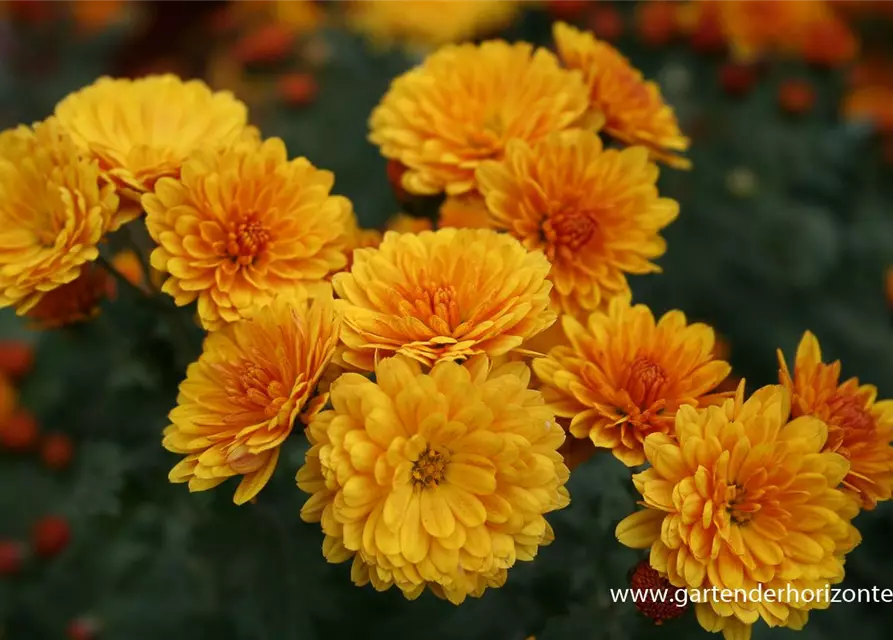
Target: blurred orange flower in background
{"x":74,"y":302}
{"x":468,"y":211}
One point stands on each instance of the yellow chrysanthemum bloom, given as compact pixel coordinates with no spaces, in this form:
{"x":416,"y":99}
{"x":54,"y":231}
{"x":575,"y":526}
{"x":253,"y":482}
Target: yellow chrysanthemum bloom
{"x":270,"y":227}
{"x":426,"y":23}
{"x":738,"y":497}
{"x":437,"y":479}
{"x":468,"y":211}
{"x":634,"y":110}
{"x":623,"y":376}
{"x":465,"y":102}
{"x":241,"y":397}
{"x":55,"y":210}
{"x":442,"y":295}
{"x":141,"y":130}
{"x":860,"y":428}
{"x":595,"y":213}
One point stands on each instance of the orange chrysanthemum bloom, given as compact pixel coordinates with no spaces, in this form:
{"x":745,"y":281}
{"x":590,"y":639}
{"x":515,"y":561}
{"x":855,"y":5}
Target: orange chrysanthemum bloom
{"x":465,"y":103}
{"x":624,"y":376}
{"x":74,"y":302}
{"x":240,"y":399}
{"x":272,"y":226}
{"x":467,"y":211}
{"x":860,"y":428}
{"x":739,"y":497}
{"x":634,"y":110}
{"x":425,"y":23}
{"x":436,"y":480}
{"x":55,"y":212}
{"x":595,"y":213}
{"x":141,"y":130}
{"x":442,"y":295}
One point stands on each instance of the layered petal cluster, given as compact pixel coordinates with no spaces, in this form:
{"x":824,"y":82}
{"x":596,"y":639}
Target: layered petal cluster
{"x":739,"y":497}
{"x":634,"y":110}
{"x":624,"y":376}
{"x":240,"y":399}
{"x":442,"y":295}
{"x":465,"y":102}
{"x":54,"y":211}
{"x":436,"y":479}
{"x":860,"y":427}
{"x":140,"y":130}
{"x":243,"y":225}
{"x":74,"y":302}
{"x":595,"y":213}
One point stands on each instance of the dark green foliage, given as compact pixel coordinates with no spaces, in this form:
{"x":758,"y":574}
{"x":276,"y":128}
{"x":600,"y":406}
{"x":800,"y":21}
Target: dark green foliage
{"x":802,"y":245}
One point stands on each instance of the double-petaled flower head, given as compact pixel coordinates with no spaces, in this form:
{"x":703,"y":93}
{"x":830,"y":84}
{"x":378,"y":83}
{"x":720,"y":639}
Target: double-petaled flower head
{"x":55,"y":211}
{"x":442,"y":295}
{"x":464,"y":104}
{"x":623,"y":376}
{"x":860,"y":428}
{"x":240,"y":399}
{"x":634,"y":110}
{"x":436,"y":479}
{"x":241,"y":225}
{"x":140,"y":130}
{"x":595,"y":213}
{"x":739,"y":496}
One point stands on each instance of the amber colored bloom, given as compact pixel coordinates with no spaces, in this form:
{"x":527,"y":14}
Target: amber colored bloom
{"x":436,"y":479}
{"x":141,"y":130}
{"x":403,"y":223}
{"x":634,"y":110}
{"x":739,"y":497}
{"x":271,"y":227}
{"x":873,"y":103}
{"x":55,"y":212}
{"x":465,"y":102}
{"x":624,"y":376}
{"x":240,"y":399}
{"x":74,"y":302}
{"x":860,"y":428}
{"x":595,"y":213}
{"x":467,"y":211}
{"x":646,"y":579}
{"x":19,"y":431}
{"x":442,"y":295}
{"x":16,"y":358}
{"x":426,"y":23}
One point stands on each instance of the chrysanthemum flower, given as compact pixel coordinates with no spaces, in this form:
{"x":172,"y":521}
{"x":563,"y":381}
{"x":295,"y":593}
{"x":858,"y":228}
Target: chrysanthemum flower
{"x":240,"y":399}
{"x":55,"y":212}
{"x":634,"y":110}
{"x":468,"y":211}
{"x":595,"y":213}
{"x":403,"y":223}
{"x":271,"y":226}
{"x":442,"y":295}
{"x":738,"y":497}
{"x":141,"y":130}
{"x":624,"y":376}
{"x":74,"y":302}
{"x":425,"y":23}
{"x":437,"y":479}
{"x":465,"y":103}
{"x":860,"y":428}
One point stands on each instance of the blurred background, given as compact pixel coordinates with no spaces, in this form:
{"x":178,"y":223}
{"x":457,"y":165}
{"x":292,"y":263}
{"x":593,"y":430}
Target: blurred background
{"x":786,"y":224}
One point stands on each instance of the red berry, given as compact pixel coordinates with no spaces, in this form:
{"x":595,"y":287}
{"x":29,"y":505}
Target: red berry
{"x":50,"y":536}
{"x":266,"y":44}
{"x":298,"y":89}
{"x":56,"y":451}
{"x":645,"y":578}
{"x":83,"y":629}
{"x":12,"y":554}
{"x":796,"y":96}
{"x":737,"y":79}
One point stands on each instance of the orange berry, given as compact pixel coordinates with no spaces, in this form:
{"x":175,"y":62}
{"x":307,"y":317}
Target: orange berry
{"x":19,"y":432}
{"x":737,"y":79}
{"x":270,"y":43}
{"x":645,"y":578}
{"x":796,"y":96}
{"x":298,"y":89}
{"x":50,"y":536}
{"x":12,"y":556}
{"x":16,"y":358}
{"x":56,"y":451}
{"x":606,"y":23}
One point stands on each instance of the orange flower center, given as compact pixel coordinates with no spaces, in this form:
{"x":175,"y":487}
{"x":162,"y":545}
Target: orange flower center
{"x":428,"y":470}
{"x":849,"y":423}
{"x":437,"y":306}
{"x":571,"y":229}
{"x":646,"y":381}
{"x":740,"y":506}
{"x":252,"y":386}
{"x":247,"y":240}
